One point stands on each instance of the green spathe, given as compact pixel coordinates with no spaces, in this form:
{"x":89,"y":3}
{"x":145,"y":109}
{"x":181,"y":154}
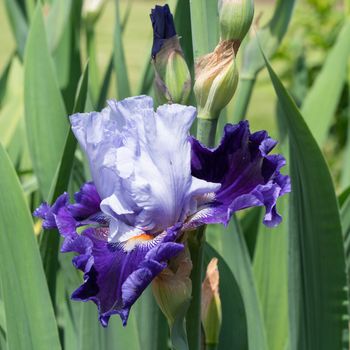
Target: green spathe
{"x":172,"y":81}
{"x":235,"y":18}
{"x":92,"y":10}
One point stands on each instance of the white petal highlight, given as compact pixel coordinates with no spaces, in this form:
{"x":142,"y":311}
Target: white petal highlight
{"x":141,"y":164}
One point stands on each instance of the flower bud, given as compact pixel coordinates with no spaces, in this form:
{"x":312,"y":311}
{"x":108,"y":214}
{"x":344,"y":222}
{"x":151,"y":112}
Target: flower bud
{"x":172,"y":81}
{"x":211,"y":304}
{"x":172,"y":288}
{"x":216,"y":80}
{"x":91,"y":10}
{"x":235,"y":18}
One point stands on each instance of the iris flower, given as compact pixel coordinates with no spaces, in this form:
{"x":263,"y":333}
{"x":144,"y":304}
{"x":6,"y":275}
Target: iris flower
{"x":152,"y":182}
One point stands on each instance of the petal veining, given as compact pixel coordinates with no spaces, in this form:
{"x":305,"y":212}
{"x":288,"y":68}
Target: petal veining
{"x":247,"y":174}
{"x":140,"y":161}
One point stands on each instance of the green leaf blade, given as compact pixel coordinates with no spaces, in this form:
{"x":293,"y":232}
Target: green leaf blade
{"x":152,"y":326}
{"x":345,"y":221}
{"x":321,"y":102}
{"x":269,"y":38}
{"x":205,"y":26}
{"x":93,"y":336}
{"x":18,"y":24}
{"x":234,"y":329}
{"x":49,"y":241}
{"x":271,"y":276}
{"x":45,"y":113}
{"x":232,"y":247}
{"x":120,"y":67}
{"x":12,"y":110}
{"x":30,"y":319}
{"x":316,"y":256}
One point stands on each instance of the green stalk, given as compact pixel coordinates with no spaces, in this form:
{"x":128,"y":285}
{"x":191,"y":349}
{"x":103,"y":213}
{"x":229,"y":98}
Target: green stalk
{"x":120,"y":67}
{"x":204,"y":28}
{"x":93,"y":69}
{"x":211,"y":347}
{"x":193,"y":320}
{"x":244,"y":93}
{"x":202,"y":37}
{"x":178,"y":334}
{"x":206,"y":130}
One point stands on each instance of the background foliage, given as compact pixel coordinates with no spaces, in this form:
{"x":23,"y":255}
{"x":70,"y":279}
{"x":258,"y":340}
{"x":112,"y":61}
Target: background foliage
{"x":285,"y":288}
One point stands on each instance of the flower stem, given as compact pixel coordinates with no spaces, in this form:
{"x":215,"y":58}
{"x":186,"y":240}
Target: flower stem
{"x":178,"y":335}
{"x":193,"y":319}
{"x":244,"y":93}
{"x":211,"y":347}
{"x":206,"y":130}
{"x":93,"y":69}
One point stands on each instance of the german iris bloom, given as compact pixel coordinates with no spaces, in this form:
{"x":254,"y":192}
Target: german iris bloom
{"x":151,"y":183}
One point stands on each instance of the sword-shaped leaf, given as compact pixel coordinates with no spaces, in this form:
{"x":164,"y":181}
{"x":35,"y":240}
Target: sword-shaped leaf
{"x":322,"y":100}
{"x":46,"y":117}
{"x":316,"y":257}
{"x":30,"y":320}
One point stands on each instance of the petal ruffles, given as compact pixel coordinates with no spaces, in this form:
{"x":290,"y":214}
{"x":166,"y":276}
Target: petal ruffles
{"x":115,"y":275}
{"x":247,"y":174}
{"x":140,"y":161}
{"x":151,"y":182}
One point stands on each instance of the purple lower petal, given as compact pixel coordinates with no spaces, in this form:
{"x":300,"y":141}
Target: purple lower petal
{"x":115,"y":277}
{"x":66,"y":217}
{"x":248,"y":175}
{"x":65,"y":222}
{"x":48,"y":213}
{"x":87,"y":202}
{"x":115,"y":274}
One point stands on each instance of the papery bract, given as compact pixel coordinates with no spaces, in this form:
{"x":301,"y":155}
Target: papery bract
{"x":211,"y":313}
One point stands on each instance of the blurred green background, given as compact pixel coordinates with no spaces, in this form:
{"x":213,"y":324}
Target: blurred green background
{"x":137,"y":45}
{"x":311,"y":34}
{"x":311,"y":37}
{"x":312,"y":18}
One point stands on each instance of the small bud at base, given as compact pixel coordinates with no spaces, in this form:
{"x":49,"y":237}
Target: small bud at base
{"x":211,"y":304}
{"x":172,"y":288}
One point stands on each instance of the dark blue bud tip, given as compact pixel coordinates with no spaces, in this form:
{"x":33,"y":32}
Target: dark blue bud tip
{"x":163,"y":27}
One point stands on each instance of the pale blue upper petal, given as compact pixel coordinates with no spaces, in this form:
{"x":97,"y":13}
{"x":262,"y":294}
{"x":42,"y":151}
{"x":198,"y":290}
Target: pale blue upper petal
{"x":141,"y":164}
